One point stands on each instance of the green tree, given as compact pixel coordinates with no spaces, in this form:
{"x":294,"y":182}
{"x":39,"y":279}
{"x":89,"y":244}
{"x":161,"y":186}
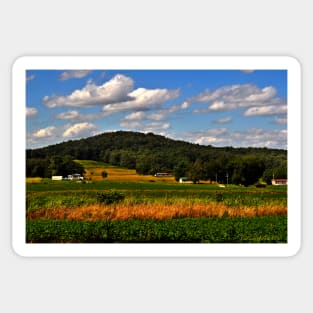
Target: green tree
{"x":196,"y":172}
{"x":248,"y":170}
{"x":181,"y":170}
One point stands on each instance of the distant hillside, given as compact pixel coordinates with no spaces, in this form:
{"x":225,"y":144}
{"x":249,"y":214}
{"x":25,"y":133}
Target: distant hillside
{"x":150,"y":153}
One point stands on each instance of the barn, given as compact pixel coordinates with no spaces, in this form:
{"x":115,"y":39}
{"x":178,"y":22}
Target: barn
{"x":279,"y":181}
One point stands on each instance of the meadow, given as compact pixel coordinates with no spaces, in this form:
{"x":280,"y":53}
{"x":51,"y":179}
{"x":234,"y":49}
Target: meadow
{"x":127,"y":207}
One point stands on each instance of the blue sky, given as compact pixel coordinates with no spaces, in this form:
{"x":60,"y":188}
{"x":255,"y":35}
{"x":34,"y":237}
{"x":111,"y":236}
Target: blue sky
{"x":211,"y":107}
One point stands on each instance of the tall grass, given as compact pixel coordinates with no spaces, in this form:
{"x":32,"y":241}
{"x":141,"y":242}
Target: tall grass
{"x":154,"y":210}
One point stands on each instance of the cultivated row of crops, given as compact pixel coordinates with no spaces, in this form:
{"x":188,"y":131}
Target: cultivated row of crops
{"x":115,"y":211}
{"x":263,"y":229}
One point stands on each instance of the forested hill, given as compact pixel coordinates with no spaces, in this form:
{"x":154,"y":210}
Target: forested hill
{"x":150,"y":153}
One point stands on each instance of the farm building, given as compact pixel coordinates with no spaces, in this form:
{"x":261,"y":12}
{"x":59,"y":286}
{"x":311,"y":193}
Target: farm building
{"x":163,"y":174}
{"x":279,"y":181}
{"x":75,"y":177}
{"x":185,"y":180}
{"x":56,"y":177}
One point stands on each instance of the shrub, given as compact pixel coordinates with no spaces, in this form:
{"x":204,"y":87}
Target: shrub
{"x":110,"y":197}
{"x":219,"y":197}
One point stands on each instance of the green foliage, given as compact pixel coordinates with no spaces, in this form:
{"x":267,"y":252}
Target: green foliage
{"x":110,"y":197}
{"x":54,"y":165}
{"x":247,"y":170}
{"x":63,"y":199}
{"x":180,"y":170}
{"x":279,"y":172}
{"x":265,"y":229}
{"x":219,"y":197}
{"x":104,"y":174}
{"x":196,"y":172}
{"x":49,"y":194}
{"x":149,"y":153}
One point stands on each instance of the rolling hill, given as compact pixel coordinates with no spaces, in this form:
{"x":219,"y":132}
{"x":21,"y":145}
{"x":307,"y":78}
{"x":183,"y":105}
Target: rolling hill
{"x":150,"y":153}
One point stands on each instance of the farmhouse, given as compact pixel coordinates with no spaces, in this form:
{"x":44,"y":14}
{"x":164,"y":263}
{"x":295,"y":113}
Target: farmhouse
{"x":279,"y":181}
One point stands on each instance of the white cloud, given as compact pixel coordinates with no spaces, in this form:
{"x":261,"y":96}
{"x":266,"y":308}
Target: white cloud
{"x":184,"y":105}
{"x":74,"y":74}
{"x":30,"y":77}
{"x":282,"y":120}
{"x":77,"y":116}
{"x":266,"y":110}
{"x":114,"y":90}
{"x":52,"y":134}
{"x":235,"y":97}
{"x":31,"y":112}
{"x":45,"y":132}
{"x":143,"y":99}
{"x":141,"y":115}
{"x":156,"y":127}
{"x":265,"y":94}
{"x":222,"y":106}
{"x":80,"y":130}
{"x":223,"y":120}
{"x":69,"y":115}
{"x":253,"y":137}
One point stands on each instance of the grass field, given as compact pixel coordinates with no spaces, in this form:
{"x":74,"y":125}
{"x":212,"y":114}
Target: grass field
{"x":94,"y":170}
{"x":127,"y":200}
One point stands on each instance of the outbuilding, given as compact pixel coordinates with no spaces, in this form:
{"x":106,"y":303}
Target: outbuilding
{"x":279,"y":181}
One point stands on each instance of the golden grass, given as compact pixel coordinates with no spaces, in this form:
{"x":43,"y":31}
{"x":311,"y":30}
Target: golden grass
{"x":157,"y":211}
{"x":121,"y":174}
{"x":33,"y":179}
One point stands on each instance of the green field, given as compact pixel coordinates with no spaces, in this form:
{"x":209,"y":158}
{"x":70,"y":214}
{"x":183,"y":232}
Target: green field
{"x":149,"y":209}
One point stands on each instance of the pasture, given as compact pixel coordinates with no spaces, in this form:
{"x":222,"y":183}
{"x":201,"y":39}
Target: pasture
{"x":127,"y":207}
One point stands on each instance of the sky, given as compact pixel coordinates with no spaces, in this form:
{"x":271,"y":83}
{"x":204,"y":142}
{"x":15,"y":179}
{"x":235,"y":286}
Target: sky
{"x":238,"y":108}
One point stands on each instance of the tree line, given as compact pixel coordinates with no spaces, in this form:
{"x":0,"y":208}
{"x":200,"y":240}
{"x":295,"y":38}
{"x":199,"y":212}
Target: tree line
{"x":150,"y":154}
{"x":52,"y":166}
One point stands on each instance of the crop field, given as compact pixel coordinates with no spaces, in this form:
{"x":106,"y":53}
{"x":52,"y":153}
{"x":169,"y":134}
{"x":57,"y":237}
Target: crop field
{"x":94,"y":170}
{"x":126,"y":207}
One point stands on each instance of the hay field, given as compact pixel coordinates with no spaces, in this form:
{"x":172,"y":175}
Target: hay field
{"x":94,"y":172}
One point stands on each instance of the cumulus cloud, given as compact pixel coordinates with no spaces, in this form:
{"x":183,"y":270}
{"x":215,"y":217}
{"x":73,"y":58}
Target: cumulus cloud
{"x":114,"y":90}
{"x":80,"y":130}
{"x":143,"y":99}
{"x":31,"y":112}
{"x":141,"y":115}
{"x":156,"y":127}
{"x":253,"y":137}
{"x":235,"y":97}
{"x":53,"y":134}
{"x":45,"y":132}
{"x":116,"y":96}
{"x":69,"y":115}
{"x":266,"y":110}
{"x":74,"y":74}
